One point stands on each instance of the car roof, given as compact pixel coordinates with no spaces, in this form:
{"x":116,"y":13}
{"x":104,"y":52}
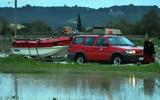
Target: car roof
{"x":99,"y":36}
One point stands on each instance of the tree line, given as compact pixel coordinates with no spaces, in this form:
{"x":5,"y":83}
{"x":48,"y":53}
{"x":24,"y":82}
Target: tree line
{"x":149,"y":23}
{"x":35,"y":27}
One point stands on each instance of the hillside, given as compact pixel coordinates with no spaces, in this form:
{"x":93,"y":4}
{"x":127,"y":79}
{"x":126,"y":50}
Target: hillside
{"x":59,"y":16}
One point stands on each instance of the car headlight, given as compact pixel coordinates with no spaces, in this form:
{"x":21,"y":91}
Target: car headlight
{"x":130,"y":51}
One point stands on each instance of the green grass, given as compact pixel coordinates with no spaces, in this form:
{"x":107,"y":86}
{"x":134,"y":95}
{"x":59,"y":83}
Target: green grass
{"x":17,"y":64}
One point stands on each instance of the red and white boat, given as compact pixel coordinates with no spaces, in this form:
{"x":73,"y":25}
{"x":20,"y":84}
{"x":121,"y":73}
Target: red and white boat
{"x":43,"y":47}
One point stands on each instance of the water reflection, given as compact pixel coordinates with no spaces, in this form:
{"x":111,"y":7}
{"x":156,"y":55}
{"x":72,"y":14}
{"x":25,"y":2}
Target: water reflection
{"x":77,"y":87}
{"x":149,"y":85}
{"x":132,"y":81}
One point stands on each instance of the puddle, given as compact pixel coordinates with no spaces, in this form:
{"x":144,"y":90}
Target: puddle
{"x":77,"y":87}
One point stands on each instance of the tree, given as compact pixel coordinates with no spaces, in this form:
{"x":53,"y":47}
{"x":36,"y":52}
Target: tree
{"x":27,"y":29}
{"x":79,"y":24}
{"x":137,"y":29}
{"x":124,"y":26}
{"x":60,"y":31}
{"x":150,"y":23}
{"x":37,"y":27}
{"x":3,"y":26}
{"x":27,"y":6}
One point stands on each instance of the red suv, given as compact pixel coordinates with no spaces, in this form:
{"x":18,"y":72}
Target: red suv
{"x":109,"y":48}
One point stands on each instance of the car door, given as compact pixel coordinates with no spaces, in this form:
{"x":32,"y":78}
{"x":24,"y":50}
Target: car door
{"x":89,"y":48}
{"x":102,"y":49}
{"x":77,"y":45}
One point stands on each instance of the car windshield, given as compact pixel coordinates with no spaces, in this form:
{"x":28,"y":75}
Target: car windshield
{"x":120,"y":41}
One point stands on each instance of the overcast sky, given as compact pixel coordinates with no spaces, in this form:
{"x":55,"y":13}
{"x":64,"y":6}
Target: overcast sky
{"x":84,"y":3}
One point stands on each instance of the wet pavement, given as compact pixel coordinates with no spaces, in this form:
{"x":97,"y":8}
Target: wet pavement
{"x":78,"y":87}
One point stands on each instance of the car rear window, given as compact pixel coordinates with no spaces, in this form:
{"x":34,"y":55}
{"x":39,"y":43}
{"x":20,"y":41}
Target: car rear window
{"x":89,"y":41}
{"x":101,"y":42}
{"x":78,"y":40}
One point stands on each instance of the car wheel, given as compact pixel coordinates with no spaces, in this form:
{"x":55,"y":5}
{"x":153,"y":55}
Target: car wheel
{"x":116,"y":60}
{"x":80,"y":59}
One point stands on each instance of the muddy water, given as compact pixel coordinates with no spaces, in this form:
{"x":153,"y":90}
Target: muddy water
{"x":77,"y":87}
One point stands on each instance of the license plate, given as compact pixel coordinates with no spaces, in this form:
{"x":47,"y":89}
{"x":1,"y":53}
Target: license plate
{"x":140,"y":58}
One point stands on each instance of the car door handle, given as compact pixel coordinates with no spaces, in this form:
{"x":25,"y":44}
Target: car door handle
{"x":101,"y":49}
{"x":82,"y":48}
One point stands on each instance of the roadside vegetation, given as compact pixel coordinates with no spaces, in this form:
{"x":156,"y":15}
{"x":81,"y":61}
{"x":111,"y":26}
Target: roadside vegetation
{"x":18,"y":64}
{"x":5,"y":46}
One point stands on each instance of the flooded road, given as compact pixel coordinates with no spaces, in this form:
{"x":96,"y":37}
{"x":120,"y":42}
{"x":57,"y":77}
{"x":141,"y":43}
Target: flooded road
{"x":77,"y":87}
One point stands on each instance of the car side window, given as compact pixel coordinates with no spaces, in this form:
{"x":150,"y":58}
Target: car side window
{"x":78,"y":40}
{"x":89,"y":41}
{"x":101,"y":42}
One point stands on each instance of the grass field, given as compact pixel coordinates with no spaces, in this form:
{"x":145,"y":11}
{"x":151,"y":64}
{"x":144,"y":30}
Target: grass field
{"x":18,"y":64}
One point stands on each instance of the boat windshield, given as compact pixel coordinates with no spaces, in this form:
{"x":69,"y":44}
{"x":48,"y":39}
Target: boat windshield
{"x":120,"y":41}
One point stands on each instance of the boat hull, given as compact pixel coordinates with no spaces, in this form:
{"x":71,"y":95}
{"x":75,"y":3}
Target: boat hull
{"x":40,"y":51}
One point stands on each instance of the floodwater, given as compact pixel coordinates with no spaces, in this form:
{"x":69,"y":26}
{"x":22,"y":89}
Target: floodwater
{"x":77,"y":87}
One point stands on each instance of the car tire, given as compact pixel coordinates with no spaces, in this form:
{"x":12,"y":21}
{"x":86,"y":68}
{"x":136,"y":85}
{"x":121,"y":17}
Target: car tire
{"x":116,"y":60}
{"x":79,"y":59}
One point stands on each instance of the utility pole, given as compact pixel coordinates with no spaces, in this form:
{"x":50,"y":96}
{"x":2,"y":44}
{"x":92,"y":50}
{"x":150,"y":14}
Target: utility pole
{"x":15,"y":18}
{"x":15,"y":36}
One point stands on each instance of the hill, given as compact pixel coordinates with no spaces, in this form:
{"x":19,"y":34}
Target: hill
{"x":60,"y":16}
